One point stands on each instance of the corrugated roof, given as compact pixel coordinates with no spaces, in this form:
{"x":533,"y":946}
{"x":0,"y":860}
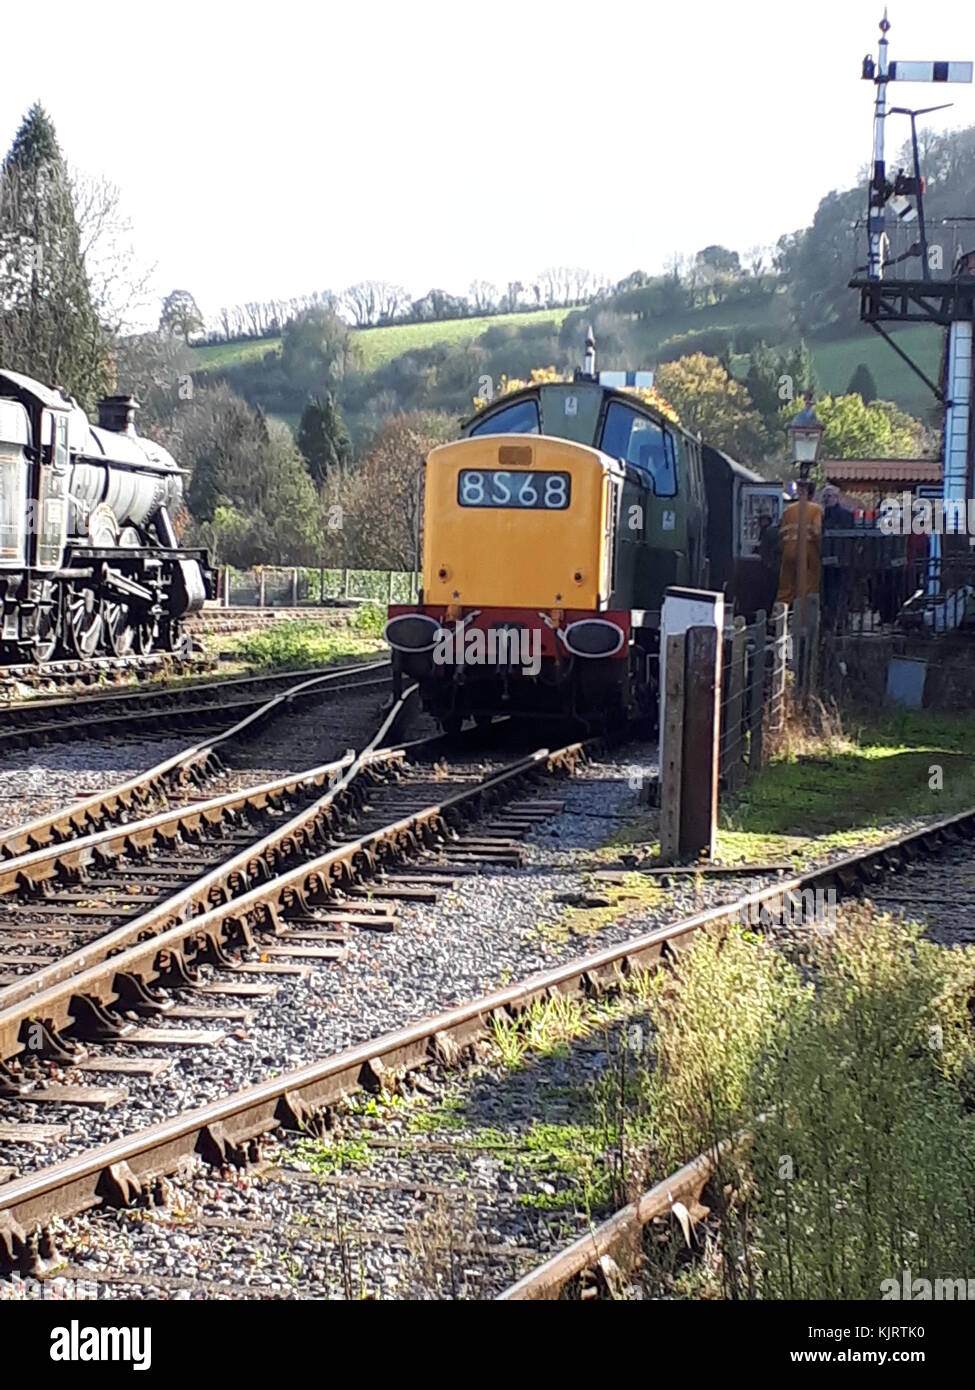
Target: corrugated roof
{"x":883,"y":470}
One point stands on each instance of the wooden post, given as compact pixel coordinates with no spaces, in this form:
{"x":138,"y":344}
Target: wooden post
{"x":700,"y":754}
{"x":811,"y":670}
{"x":758,"y":634}
{"x":294,"y":587}
{"x":802,"y":550}
{"x":780,"y":638}
{"x":347,"y":581}
{"x":389,"y":597}
{"x":671,"y":751}
{"x":260,"y":590}
{"x":731,"y":715}
{"x":321,"y":585}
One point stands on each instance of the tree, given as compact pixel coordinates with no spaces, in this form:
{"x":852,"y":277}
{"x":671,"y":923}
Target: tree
{"x":49,"y":327}
{"x":711,"y":402}
{"x":862,"y":384}
{"x":854,"y":430}
{"x":374,"y":301}
{"x":249,"y":491}
{"x":180,"y":314}
{"x":323,"y":439}
{"x":316,"y":350}
{"x":719,"y":260}
{"x":765,"y":370}
{"x":380,"y":501}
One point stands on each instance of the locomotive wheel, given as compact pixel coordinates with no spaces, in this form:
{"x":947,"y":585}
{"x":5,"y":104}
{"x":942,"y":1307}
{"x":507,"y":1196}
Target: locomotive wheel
{"x":83,"y":623}
{"x":127,"y":630}
{"x":174,"y":638}
{"x":120,"y":628}
{"x":47,"y":621}
{"x":146,"y":632}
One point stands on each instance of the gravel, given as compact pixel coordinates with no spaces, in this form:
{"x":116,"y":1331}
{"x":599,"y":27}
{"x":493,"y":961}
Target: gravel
{"x":499,"y":925}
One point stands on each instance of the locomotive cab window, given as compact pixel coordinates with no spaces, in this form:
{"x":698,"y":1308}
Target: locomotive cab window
{"x":643,"y":443}
{"x":514,"y":488}
{"x":519,"y":418}
{"x":13,"y":501}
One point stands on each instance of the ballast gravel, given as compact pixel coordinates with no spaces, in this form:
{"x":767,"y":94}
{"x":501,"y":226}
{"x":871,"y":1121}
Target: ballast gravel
{"x":496,"y":926}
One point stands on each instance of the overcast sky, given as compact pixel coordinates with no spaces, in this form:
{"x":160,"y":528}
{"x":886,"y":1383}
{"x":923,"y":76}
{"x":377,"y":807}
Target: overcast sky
{"x":267,"y":150}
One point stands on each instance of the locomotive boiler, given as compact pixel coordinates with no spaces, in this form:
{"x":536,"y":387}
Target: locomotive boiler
{"x":90,"y":563}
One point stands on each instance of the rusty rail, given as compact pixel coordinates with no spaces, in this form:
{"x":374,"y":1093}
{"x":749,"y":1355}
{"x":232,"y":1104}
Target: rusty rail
{"x":228,"y":1130}
{"x":153,"y":945}
{"x":190,"y":765}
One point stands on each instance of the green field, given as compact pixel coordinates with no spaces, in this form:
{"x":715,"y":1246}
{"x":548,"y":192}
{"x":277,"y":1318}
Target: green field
{"x":234,"y":354}
{"x":379,"y":345}
{"x":835,"y":360}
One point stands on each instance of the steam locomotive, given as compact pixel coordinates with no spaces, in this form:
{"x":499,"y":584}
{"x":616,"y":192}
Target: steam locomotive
{"x":89,"y":561}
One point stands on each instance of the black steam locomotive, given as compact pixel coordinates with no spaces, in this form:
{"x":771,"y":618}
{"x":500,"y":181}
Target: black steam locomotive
{"x":90,"y":563}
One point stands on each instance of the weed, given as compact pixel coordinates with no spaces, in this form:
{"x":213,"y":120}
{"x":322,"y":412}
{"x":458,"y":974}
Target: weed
{"x":305,"y":642}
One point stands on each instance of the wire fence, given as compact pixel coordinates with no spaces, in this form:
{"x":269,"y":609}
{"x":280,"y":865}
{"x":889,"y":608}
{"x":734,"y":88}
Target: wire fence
{"x":311,"y":586}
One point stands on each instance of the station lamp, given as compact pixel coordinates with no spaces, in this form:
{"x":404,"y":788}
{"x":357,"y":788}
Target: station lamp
{"x":806,"y":436}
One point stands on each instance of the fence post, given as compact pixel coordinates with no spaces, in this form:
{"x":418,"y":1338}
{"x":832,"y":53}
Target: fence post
{"x":811,"y":662}
{"x":260,"y":590}
{"x":701,"y":746}
{"x":780,"y":638}
{"x":321,"y":585}
{"x":671,"y":750}
{"x":756,"y":692}
{"x":294,"y":586}
{"x":731,"y":734}
{"x":346,"y":582}
{"x":389,"y":597}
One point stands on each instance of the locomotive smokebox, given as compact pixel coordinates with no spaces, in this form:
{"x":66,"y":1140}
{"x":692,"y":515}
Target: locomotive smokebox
{"x":117,"y":413}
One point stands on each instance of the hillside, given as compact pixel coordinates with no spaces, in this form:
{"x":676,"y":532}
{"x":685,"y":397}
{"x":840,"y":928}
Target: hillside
{"x":376,"y":346}
{"x":438,"y":365}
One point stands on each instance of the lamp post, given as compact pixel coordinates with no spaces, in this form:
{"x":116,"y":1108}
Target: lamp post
{"x":805,"y":436}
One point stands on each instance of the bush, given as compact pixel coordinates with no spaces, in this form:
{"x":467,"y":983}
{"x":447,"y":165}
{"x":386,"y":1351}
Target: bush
{"x":853,"y":1069}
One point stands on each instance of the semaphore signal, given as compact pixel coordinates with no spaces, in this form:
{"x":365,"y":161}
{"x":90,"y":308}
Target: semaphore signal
{"x":881,"y":72}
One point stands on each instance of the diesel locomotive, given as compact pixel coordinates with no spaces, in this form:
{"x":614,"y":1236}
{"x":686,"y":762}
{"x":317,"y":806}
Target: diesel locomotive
{"x":90,"y":563}
{"x":551,"y":530}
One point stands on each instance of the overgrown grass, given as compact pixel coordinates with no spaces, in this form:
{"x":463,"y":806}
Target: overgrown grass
{"x":855,"y":1077}
{"x":305,"y":642}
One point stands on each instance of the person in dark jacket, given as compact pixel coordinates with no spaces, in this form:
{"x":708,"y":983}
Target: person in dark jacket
{"x":836,"y":576}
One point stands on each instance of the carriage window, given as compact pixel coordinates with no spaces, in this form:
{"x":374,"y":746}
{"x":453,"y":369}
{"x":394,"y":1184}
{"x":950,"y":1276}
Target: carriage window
{"x":519,"y":418}
{"x":643,"y":443}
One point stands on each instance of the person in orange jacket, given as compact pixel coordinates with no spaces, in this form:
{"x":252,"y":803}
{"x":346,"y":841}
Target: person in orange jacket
{"x":789,"y":532}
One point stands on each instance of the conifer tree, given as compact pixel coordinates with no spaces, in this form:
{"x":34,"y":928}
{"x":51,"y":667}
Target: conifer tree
{"x":49,"y":328}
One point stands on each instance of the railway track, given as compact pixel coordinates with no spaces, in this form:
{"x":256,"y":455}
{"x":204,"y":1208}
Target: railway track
{"x":198,"y":706}
{"x":73,"y":673}
{"x":229,"y":1130}
{"x":184,"y":775}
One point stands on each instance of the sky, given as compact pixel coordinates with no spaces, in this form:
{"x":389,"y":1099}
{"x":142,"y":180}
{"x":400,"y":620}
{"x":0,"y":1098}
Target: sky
{"x":264,"y":151}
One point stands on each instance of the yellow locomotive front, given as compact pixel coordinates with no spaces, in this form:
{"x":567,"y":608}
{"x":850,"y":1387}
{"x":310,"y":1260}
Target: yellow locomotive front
{"x":517,"y":580}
